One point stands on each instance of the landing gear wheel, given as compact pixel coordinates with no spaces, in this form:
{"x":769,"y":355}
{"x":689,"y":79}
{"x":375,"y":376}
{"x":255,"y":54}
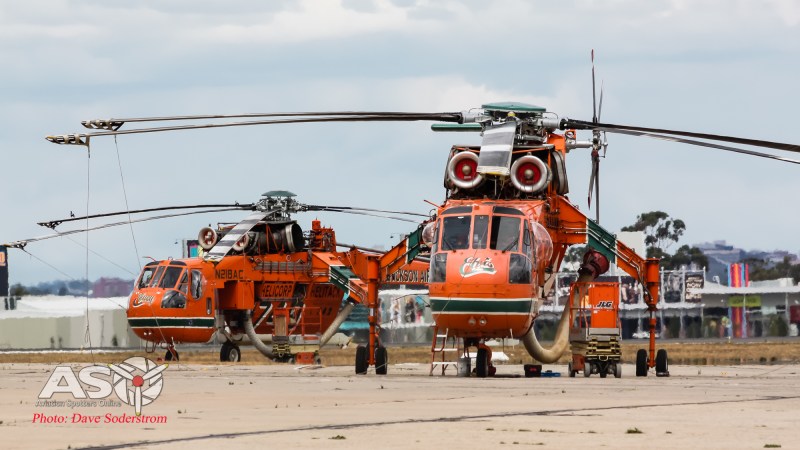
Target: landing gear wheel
{"x":362,"y":364}
{"x":662,"y":366}
{"x":569,"y":369}
{"x":618,"y":370}
{"x":641,"y":363}
{"x":587,"y":369}
{"x":171,"y":354}
{"x":482,"y":363}
{"x":230,"y":353}
{"x":381,"y":361}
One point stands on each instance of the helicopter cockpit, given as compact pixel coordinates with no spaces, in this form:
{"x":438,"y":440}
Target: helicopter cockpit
{"x":488,"y":238}
{"x":174,"y":279}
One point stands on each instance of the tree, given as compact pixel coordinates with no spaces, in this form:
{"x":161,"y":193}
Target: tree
{"x":761,"y":269}
{"x":573,"y":258}
{"x":660,"y":230}
{"x":18,"y":290}
{"x":684,"y":256}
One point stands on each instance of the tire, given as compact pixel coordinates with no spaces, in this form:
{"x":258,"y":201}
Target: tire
{"x":482,"y":363}
{"x":362,"y":364}
{"x":381,"y":361}
{"x":230,"y":353}
{"x":641,"y":363}
{"x":662,"y":365}
{"x":587,"y":369}
{"x":171,"y":354}
{"x":618,"y":370}
{"x":569,"y":369}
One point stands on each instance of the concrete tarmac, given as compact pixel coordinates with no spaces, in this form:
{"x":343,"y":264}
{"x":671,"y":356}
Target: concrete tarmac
{"x":205,"y":406}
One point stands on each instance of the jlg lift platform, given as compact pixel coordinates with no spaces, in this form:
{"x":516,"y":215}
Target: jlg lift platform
{"x":595,"y":329}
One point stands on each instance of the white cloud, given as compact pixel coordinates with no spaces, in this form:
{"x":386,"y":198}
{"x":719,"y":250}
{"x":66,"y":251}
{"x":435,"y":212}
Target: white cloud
{"x":716,"y":66}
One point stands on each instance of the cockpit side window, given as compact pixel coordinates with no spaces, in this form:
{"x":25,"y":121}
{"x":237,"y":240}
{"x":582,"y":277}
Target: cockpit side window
{"x":171,"y":276}
{"x":198,"y":283}
{"x":480,"y":232}
{"x":455,"y":235}
{"x":505,"y":234}
{"x":173,"y":299}
{"x":526,"y":241}
{"x":146,"y":277}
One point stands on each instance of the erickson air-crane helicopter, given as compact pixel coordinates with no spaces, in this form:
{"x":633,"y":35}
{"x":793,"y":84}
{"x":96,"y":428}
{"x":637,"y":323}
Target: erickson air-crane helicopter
{"x":263,"y":281}
{"x":498,"y":238}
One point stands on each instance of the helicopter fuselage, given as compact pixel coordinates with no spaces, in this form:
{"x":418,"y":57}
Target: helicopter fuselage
{"x":485,"y":267}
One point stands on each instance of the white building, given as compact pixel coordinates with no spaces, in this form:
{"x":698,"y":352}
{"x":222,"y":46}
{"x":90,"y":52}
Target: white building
{"x":54,"y":322}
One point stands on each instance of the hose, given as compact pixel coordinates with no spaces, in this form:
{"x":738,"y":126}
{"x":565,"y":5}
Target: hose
{"x":251,"y":333}
{"x":337,"y":322}
{"x":561,"y":341}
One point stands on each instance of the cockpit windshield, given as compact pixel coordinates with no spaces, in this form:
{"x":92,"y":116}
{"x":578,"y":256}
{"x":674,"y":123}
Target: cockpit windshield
{"x":171,"y":276}
{"x":480,"y":231}
{"x":146,"y":277}
{"x":455,"y":235}
{"x":458,"y":232}
{"x":505,"y":233}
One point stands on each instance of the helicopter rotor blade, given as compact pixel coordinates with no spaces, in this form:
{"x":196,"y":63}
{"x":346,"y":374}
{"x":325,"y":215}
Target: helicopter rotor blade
{"x":705,"y":144}
{"x":594,"y":178}
{"x":83,"y":138}
{"x":52,"y":224}
{"x":22,"y":243}
{"x":614,"y":128}
{"x":114,"y":124}
{"x":354,"y":208}
{"x":594,"y":102}
{"x":362,"y":213}
{"x":597,"y":191}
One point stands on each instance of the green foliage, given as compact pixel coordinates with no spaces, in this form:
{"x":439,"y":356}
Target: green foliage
{"x":573,"y":257}
{"x":684,"y":256}
{"x":661,"y":231}
{"x":18,"y":290}
{"x":760,"y":270}
{"x":659,"y":228}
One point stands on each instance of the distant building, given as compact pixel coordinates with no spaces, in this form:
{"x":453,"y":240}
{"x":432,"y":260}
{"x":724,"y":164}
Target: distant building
{"x":112,"y":287}
{"x":721,"y":255}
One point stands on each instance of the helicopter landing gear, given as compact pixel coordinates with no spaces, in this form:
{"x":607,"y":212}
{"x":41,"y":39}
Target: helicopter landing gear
{"x":662,"y":367}
{"x":362,"y":363}
{"x":230,"y":352}
{"x":362,"y":360}
{"x":171,"y":355}
{"x":381,"y":361}
{"x":641,"y":363}
{"x":483,"y":362}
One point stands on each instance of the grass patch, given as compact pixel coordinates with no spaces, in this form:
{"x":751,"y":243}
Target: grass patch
{"x":772,"y":445}
{"x":634,"y":431}
{"x":338,"y":437}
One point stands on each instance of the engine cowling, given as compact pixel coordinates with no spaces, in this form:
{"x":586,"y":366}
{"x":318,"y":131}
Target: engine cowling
{"x":207,"y":238}
{"x":462,"y":171}
{"x":530,"y":174}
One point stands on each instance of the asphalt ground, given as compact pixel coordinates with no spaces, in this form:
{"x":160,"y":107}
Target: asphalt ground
{"x":283,"y":406}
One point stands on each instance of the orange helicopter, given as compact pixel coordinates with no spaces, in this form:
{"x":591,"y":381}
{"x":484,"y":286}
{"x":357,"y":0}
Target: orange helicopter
{"x":263,"y":282}
{"x":496,"y":241}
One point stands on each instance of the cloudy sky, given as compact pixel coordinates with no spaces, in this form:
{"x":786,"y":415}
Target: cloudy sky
{"x":725,"y":67}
